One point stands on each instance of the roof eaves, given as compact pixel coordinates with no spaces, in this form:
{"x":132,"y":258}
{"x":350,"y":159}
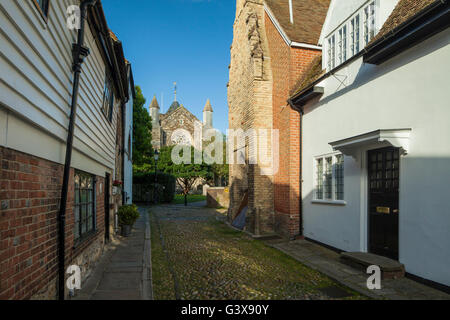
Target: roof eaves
{"x":426,"y":23}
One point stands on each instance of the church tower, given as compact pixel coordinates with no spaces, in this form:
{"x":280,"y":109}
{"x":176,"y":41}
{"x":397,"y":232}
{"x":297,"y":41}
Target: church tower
{"x":154,"y":112}
{"x":156,"y":128}
{"x":208,"y":115}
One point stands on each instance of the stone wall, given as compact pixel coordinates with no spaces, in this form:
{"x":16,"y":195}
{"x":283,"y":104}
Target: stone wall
{"x":263,"y":72}
{"x":218,"y":197}
{"x":249,"y":101}
{"x":30,"y":193}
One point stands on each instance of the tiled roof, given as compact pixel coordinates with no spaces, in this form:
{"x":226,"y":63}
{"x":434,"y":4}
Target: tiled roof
{"x":208,"y":106}
{"x":309,"y":16}
{"x":113,"y":36}
{"x":174,"y":106}
{"x":154,"y":103}
{"x":405,"y":10}
{"x":313,"y":73}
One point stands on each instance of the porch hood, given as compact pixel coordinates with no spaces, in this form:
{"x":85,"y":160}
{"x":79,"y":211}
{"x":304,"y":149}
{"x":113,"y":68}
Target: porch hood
{"x":398,"y":138}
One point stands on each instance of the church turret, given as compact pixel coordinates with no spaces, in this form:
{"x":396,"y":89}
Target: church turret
{"x":208,"y":115}
{"x":154,"y":112}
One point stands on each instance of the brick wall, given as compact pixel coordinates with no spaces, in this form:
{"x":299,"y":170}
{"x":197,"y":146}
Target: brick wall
{"x":30,"y":192}
{"x":288,"y":64}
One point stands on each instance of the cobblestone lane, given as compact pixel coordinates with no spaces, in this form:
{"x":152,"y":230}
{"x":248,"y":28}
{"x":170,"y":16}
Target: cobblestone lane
{"x":196,"y":256}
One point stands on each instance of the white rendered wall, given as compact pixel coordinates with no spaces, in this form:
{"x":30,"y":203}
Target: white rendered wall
{"x":408,"y":91}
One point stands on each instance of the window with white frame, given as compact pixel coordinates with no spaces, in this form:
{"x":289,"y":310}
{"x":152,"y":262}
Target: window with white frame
{"x":331,"y":52}
{"x":342,"y":45}
{"x":352,"y":35}
{"x":369,"y":22}
{"x":329,"y":178}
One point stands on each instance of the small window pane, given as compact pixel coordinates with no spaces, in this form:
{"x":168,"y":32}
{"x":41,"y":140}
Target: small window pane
{"x":43,"y":4}
{"x":333,"y":52}
{"x":369,"y":23}
{"x":84,"y":210}
{"x":328,"y":177}
{"x":339,"y":177}
{"x":83,"y":196}
{"x":319,"y":187}
{"x":354,"y":35}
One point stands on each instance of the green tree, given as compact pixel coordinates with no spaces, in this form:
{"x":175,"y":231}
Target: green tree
{"x":142,"y":130}
{"x":221,"y":171}
{"x":186,"y":174}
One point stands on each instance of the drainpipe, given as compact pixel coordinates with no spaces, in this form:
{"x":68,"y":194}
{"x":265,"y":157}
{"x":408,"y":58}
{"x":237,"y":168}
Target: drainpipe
{"x":79,"y":52}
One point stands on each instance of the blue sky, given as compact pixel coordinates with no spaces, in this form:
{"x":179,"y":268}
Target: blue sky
{"x":187,"y":41}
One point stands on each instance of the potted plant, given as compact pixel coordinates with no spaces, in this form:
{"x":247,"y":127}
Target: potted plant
{"x":117,"y":184}
{"x":127,"y":214}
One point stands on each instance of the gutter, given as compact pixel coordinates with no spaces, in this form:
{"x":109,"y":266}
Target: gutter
{"x":430,"y":21}
{"x":79,"y":53}
{"x":377,"y":45}
{"x":292,"y":99}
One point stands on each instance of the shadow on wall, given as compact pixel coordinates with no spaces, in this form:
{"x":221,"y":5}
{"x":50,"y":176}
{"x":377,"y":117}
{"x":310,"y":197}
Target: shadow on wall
{"x":218,"y":197}
{"x":287,"y":205}
{"x":424,"y":218}
{"x":369,"y":72}
{"x":261,"y":218}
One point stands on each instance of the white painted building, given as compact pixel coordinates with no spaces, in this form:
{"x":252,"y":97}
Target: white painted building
{"x":376,"y":134}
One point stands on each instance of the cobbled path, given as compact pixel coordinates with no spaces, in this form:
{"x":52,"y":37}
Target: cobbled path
{"x":196,"y":256}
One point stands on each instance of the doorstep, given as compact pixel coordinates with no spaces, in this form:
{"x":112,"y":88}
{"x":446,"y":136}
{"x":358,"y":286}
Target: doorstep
{"x":329,"y":263}
{"x":390,"y":269}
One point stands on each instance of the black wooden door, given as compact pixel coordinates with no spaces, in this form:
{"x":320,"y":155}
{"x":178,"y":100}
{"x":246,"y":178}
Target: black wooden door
{"x":107,"y":211}
{"x":383,"y":201}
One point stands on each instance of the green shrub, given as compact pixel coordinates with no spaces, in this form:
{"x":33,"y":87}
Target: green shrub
{"x":144,"y":184}
{"x":128,"y":214}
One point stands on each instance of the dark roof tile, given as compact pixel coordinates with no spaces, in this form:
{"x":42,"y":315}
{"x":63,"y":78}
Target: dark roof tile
{"x":404,"y":11}
{"x":309,"y":16}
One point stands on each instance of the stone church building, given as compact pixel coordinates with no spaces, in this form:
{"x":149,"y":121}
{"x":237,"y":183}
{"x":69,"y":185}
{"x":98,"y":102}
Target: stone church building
{"x":274,"y":42}
{"x":177,"y":117}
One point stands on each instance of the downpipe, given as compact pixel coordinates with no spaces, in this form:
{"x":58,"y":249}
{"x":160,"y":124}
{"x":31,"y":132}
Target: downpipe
{"x":79,"y":53}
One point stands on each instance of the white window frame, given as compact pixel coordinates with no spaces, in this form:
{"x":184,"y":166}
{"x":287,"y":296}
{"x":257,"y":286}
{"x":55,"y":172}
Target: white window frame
{"x":355,"y":35}
{"x":351,"y":48}
{"x":367,"y":17}
{"x":333,"y":199}
{"x":332,"y":52}
{"x":342,"y":44}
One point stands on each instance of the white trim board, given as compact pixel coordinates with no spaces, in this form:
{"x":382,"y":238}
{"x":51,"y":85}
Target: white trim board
{"x":283,"y":34}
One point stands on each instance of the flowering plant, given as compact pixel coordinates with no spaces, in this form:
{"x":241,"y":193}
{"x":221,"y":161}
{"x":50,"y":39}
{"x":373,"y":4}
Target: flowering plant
{"x":117,"y":183}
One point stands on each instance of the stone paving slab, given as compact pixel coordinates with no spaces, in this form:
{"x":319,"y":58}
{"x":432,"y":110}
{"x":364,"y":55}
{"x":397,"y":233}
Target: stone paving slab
{"x":122,"y":273}
{"x":328,"y":262}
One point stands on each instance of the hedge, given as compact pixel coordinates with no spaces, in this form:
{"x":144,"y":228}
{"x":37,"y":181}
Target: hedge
{"x":144,"y":187}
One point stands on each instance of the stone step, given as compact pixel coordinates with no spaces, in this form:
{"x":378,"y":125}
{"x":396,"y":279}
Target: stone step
{"x":390,"y":269}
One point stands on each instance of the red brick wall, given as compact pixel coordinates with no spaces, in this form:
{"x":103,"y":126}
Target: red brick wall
{"x":29,"y":194}
{"x":288,"y":64}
